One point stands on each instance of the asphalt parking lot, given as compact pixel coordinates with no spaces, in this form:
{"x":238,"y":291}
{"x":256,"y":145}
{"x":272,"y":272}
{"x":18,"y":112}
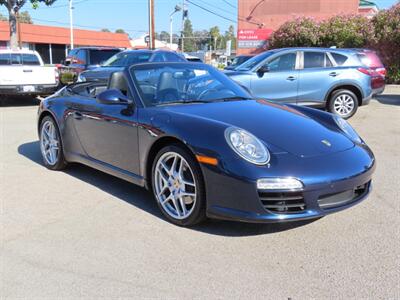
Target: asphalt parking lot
{"x":82,"y":233}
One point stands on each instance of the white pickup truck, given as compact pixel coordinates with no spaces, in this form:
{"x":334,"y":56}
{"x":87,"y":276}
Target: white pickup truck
{"x":22,"y":72}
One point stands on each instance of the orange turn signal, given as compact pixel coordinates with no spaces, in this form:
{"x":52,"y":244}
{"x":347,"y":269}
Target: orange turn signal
{"x":207,"y":160}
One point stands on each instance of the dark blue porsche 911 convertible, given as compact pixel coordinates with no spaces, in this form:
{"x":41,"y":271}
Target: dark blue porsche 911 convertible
{"x":205,"y":147}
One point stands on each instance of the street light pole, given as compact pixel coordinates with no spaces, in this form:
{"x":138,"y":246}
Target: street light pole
{"x":177,"y":8}
{"x":71,"y":26}
{"x":152,"y":37}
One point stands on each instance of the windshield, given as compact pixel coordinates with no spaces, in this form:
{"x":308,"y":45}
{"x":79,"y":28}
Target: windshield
{"x":124,"y":59}
{"x":254,"y":61}
{"x":97,"y":57}
{"x":169,"y":83}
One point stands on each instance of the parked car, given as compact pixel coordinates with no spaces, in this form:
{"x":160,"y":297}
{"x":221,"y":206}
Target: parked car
{"x":127,"y":58}
{"x":378,"y":71}
{"x":86,"y":58}
{"x":237,"y":61}
{"x":335,"y":79}
{"x":22,"y":72}
{"x":192,"y":58}
{"x":205,"y":147}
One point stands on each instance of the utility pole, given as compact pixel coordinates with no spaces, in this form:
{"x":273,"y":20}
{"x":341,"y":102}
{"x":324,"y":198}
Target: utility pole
{"x":177,"y":8}
{"x":71,"y":26}
{"x":152,"y":42}
{"x":184,"y":12}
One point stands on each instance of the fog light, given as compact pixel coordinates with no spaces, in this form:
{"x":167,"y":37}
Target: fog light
{"x":279,"y":184}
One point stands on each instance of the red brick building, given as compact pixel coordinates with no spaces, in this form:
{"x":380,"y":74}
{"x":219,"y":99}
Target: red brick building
{"x":259,"y":18}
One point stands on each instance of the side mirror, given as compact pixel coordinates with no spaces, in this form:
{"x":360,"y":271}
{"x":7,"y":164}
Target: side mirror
{"x":262,"y":70}
{"x":113,"y":96}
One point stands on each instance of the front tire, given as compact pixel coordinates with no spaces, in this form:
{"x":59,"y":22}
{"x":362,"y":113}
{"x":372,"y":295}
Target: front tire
{"x":178,"y":186}
{"x":51,"y":145}
{"x":343,"y":103}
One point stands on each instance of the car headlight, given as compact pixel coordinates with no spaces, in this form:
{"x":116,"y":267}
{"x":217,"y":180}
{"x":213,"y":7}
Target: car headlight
{"x":81,"y":78}
{"x":247,"y":146}
{"x":347,"y":129}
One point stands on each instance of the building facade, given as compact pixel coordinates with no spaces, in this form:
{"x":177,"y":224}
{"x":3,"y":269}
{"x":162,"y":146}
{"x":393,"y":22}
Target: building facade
{"x":257,"y":19}
{"x":53,"y":43}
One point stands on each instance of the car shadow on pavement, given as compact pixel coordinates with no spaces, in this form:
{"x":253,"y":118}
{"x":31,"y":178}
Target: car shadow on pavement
{"x":17,"y":101}
{"x":388,"y":99}
{"x":143,"y":199}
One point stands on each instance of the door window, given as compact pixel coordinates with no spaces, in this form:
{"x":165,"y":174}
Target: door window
{"x":16,"y":59}
{"x":316,"y":60}
{"x":339,"y":58}
{"x":81,"y":57}
{"x":4,"y":59}
{"x":30,"y":60}
{"x":285,"y":62}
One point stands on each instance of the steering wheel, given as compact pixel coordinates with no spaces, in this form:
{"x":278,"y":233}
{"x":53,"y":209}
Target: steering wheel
{"x":205,"y":92}
{"x":224,"y":92}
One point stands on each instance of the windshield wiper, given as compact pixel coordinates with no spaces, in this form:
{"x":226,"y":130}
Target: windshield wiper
{"x":184,"y":102}
{"x":234,"y":98}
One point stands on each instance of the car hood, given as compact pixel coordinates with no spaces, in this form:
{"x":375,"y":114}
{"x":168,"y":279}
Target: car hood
{"x":277,"y":125}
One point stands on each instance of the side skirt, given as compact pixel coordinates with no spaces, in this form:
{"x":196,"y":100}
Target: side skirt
{"x":106,"y":168}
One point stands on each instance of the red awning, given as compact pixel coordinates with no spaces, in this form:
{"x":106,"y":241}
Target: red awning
{"x":40,"y":34}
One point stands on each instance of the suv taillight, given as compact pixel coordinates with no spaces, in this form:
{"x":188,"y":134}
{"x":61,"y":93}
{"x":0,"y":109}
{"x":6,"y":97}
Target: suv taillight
{"x":366,"y":71}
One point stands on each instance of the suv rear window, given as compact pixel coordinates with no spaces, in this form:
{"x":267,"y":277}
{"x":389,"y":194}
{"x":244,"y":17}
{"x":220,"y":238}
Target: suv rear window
{"x":339,"y":58}
{"x":98,"y":57}
{"x":370,"y":59}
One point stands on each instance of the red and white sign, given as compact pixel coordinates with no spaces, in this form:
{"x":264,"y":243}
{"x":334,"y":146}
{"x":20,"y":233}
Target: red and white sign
{"x":254,"y":34}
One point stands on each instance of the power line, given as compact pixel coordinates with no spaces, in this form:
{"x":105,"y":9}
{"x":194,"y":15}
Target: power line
{"x":221,"y":9}
{"x":230,"y":4}
{"x":211,"y":12}
{"x":221,"y":16}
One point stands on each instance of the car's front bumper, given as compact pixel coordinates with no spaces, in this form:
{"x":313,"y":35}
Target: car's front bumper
{"x":235,"y":197}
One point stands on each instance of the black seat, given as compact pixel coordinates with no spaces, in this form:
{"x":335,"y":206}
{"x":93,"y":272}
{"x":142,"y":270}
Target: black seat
{"x":119,"y":82}
{"x":167,"y":89}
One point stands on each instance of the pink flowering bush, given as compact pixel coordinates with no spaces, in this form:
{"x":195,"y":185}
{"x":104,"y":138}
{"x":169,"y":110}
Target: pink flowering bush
{"x":299,"y":32}
{"x":381,"y":33}
{"x":345,"y":31}
{"x":386,"y":40}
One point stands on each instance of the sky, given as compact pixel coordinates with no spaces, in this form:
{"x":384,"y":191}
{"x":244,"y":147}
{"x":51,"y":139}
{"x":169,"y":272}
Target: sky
{"x":131,"y":15}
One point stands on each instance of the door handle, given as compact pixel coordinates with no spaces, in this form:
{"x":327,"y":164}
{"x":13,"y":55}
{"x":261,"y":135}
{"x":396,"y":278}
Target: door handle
{"x":333,"y":74}
{"x":28,"y":71}
{"x":291,"y":78}
{"x":78,"y":116}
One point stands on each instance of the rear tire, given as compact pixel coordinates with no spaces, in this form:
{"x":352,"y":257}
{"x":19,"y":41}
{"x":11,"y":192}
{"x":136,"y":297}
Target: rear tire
{"x":343,"y":103}
{"x":51,"y":146}
{"x":178,"y":186}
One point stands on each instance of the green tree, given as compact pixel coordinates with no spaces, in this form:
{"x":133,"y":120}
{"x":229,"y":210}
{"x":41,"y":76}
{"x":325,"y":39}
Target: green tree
{"x":105,"y":30}
{"x":163,"y":36}
{"x":25,"y":17}
{"x":215,"y":35}
{"x":120,"y":31}
{"x":14,"y":6}
{"x":230,"y":35}
{"x":188,"y":35}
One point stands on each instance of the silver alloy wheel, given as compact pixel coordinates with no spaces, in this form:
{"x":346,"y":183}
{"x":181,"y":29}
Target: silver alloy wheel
{"x":343,"y":105}
{"x":49,"y":143}
{"x":174,"y":184}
